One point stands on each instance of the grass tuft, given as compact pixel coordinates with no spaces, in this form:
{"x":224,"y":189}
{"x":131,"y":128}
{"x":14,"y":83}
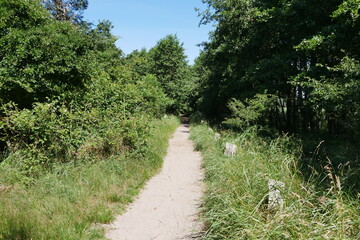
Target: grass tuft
{"x":235,"y":204}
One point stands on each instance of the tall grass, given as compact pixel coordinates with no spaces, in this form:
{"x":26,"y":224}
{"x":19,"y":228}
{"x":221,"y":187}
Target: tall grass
{"x":235,"y":204}
{"x":74,"y":200}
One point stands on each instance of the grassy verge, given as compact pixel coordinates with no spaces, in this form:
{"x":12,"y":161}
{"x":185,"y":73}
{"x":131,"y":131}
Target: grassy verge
{"x":339,"y":154}
{"x":66,"y":203}
{"x":236,"y":200}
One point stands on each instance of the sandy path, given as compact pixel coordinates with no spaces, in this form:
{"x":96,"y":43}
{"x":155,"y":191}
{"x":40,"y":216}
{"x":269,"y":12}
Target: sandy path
{"x":167,"y":208}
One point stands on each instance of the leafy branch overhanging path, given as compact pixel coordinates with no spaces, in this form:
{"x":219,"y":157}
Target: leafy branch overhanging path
{"x":168,"y":206}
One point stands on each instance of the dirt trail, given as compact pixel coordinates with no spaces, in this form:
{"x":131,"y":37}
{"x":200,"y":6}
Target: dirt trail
{"x":168,"y":206}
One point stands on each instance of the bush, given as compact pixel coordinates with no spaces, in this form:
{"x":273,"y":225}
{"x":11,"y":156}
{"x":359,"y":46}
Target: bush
{"x":250,"y":112}
{"x":52,"y":133}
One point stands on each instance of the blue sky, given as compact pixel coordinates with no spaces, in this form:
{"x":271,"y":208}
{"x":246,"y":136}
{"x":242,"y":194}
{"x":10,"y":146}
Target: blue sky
{"x":141,"y":23}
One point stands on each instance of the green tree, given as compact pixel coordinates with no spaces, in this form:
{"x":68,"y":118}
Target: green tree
{"x":333,"y":81}
{"x":297,"y":50}
{"x":139,"y":62}
{"x":40,"y":57}
{"x":64,"y":86}
{"x":66,"y":10}
{"x":168,"y":63}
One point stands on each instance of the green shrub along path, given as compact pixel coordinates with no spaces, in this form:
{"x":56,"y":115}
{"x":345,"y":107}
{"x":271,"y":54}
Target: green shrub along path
{"x":69,"y":201}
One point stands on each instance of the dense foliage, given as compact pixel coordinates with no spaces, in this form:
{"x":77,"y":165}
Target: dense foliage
{"x":69,"y":99}
{"x":304,"y":52}
{"x":81,"y":124}
{"x":68,"y":94}
{"x":65,"y":10}
{"x":291,"y":66}
{"x":168,"y":63}
{"x":274,"y":69}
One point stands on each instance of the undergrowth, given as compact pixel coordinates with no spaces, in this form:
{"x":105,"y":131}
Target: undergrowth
{"x":235,"y":205}
{"x":74,"y":199}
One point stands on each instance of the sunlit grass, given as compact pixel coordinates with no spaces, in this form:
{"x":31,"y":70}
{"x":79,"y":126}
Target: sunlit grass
{"x":236,"y":199}
{"x":74,"y":200}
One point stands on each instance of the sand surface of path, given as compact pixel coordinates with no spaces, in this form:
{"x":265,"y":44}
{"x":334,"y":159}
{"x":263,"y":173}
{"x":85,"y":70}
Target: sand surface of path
{"x":167,"y":208}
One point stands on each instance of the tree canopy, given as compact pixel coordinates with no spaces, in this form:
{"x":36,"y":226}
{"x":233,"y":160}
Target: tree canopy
{"x":304,"y":52}
{"x":168,"y":63}
{"x":65,"y":10}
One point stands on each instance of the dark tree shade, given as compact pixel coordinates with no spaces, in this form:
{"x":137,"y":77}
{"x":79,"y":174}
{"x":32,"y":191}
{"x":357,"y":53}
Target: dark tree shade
{"x":305,"y":52}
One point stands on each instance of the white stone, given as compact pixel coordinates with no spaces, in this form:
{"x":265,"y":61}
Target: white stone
{"x":276,"y":202}
{"x":217,"y":136}
{"x":230,"y":149}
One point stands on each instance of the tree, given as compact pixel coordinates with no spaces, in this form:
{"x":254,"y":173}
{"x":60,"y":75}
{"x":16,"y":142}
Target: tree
{"x":66,"y":10}
{"x":40,"y":57}
{"x":301,"y":51}
{"x":168,"y":63}
{"x":333,"y":81}
{"x":139,"y":63}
